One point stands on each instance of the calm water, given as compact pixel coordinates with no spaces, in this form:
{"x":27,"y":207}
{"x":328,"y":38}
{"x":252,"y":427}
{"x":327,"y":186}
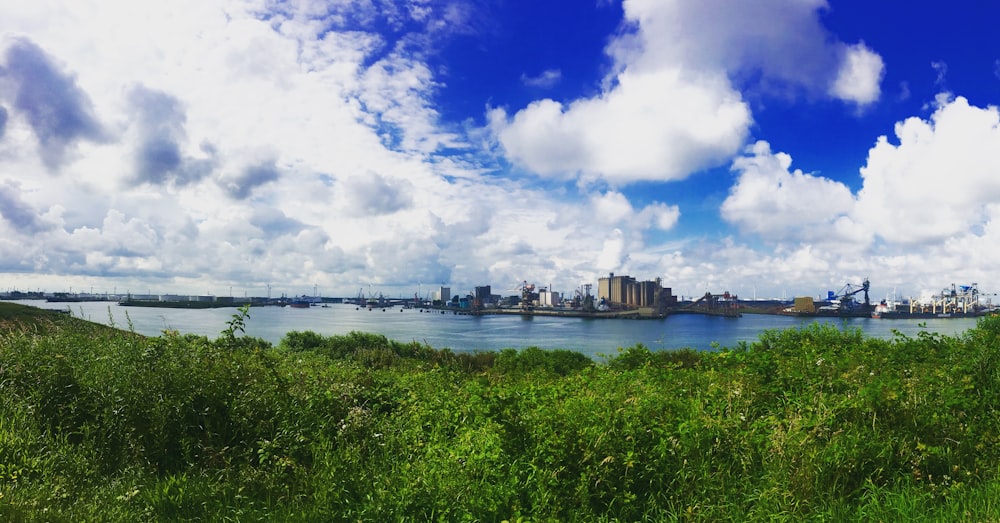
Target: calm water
{"x":469,"y":333}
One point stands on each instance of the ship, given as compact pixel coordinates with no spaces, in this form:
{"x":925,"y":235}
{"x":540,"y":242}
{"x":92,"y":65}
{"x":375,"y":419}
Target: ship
{"x":955,"y":302}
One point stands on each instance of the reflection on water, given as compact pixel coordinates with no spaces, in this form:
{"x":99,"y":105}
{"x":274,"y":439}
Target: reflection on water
{"x":470,"y":333}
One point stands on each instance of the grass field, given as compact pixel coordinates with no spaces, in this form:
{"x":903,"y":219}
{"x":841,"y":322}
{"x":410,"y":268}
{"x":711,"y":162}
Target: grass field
{"x":100,"y":424}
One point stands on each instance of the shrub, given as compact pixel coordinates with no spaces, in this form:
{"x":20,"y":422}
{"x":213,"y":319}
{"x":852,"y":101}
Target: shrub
{"x":816,"y":423}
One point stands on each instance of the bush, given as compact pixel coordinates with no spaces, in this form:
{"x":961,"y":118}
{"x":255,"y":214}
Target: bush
{"x":813,"y":423}
{"x":533,"y":359}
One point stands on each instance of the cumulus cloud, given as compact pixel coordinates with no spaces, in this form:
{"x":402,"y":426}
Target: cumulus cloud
{"x":127,"y":237}
{"x":925,"y":214}
{"x":671,"y":105}
{"x":613,"y":252}
{"x":242,"y":184}
{"x":3,"y":121}
{"x":655,"y":126}
{"x":770,"y":200}
{"x":613,"y":208}
{"x":297,"y":142}
{"x":58,"y":111}
{"x":17,"y":212}
{"x":939,"y":181}
{"x":860,"y":76}
{"x":319,"y":157}
{"x":159,"y":158}
{"x":777,"y":46}
{"x":779,"y":40}
{"x":661,"y":216}
{"x":274,"y":222}
{"x":373,"y":194}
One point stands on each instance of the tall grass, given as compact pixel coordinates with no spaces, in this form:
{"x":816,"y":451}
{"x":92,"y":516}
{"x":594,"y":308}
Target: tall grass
{"x":812,"y":423}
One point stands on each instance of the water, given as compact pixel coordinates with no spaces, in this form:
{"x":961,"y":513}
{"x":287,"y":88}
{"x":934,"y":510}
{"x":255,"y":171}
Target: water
{"x":493,"y":332}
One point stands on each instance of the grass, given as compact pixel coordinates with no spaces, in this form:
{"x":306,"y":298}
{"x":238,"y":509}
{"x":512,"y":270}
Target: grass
{"x":16,"y":317}
{"x":803,"y":424}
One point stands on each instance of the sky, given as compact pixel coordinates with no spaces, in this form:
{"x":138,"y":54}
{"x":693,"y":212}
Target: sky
{"x":773,"y":148}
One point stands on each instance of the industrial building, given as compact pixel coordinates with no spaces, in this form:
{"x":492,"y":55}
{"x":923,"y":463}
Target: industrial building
{"x":484,"y":295}
{"x":626,"y":292}
{"x":548,"y":298}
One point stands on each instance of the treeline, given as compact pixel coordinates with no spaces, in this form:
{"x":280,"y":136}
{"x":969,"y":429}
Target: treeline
{"x":813,"y":423}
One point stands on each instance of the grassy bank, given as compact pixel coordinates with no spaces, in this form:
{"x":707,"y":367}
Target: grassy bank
{"x":102,"y":424}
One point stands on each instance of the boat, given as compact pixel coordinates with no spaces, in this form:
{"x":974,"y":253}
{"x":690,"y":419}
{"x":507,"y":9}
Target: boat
{"x":956,"y":302}
{"x":880,"y":310}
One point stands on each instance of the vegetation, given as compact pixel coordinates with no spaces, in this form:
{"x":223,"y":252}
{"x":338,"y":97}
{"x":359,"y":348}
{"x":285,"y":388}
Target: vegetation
{"x":814,"y":423}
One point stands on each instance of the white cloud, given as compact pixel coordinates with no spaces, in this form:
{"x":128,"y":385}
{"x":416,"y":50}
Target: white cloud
{"x":781,"y":39}
{"x":662,"y":216}
{"x":613,"y":252}
{"x":655,"y":126}
{"x":374,"y":195}
{"x":940,"y":182}
{"x":925,"y":216}
{"x":670,"y":106}
{"x":613,"y":208}
{"x":545,"y":80}
{"x":860,"y":76}
{"x":243,"y":146}
{"x":240,"y":146}
{"x":941,"y":68}
{"x":941,"y":179}
{"x":770,"y":200}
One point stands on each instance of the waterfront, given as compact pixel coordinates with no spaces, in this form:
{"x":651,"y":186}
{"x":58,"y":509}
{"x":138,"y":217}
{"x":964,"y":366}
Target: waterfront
{"x":593,"y":337}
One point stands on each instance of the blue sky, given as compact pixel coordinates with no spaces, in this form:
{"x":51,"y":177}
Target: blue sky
{"x":770,"y":148}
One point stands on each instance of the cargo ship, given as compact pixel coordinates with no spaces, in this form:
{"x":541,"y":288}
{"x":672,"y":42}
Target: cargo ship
{"x":957,"y":302}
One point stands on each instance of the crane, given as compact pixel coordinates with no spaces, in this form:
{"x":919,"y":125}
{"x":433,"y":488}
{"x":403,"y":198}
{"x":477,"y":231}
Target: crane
{"x":846,"y":296}
{"x":526,"y":289}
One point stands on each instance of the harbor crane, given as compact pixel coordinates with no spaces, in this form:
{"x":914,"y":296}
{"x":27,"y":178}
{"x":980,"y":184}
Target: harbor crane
{"x":526,"y":289}
{"x":845,"y":296}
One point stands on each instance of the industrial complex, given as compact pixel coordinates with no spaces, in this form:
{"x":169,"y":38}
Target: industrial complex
{"x":616,"y":296}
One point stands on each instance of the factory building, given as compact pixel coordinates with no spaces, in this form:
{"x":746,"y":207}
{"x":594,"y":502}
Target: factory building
{"x":548,"y":298}
{"x":484,"y":294}
{"x":615,"y":289}
{"x":626,"y":292}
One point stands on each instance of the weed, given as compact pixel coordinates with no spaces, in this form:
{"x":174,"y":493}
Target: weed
{"x":816,"y":423}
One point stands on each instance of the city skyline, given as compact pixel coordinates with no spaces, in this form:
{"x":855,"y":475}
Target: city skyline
{"x":773,"y":148}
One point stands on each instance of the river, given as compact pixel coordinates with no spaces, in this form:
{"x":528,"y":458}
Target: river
{"x":594,"y":337}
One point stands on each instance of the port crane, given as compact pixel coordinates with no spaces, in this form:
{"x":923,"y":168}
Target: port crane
{"x":845,"y":297}
{"x":527,"y":290}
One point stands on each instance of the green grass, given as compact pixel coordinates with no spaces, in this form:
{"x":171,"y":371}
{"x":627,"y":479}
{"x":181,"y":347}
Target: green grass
{"x":14,"y":316}
{"x":803,"y":424}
